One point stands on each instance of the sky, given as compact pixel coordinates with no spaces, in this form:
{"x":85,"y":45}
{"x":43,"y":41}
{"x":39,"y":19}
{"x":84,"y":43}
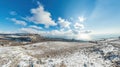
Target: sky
{"x":72,"y":19}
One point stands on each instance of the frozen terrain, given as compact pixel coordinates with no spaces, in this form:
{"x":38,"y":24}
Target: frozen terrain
{"x":103,"y":53}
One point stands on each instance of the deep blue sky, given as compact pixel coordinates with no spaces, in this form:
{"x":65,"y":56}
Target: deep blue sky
{"x":101,"y":16}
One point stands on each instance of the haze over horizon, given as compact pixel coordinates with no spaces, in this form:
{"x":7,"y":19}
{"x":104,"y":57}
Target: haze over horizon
{"x":78,"y":19}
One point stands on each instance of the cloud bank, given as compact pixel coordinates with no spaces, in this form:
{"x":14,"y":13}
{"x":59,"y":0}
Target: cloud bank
{"x":65,"y":28}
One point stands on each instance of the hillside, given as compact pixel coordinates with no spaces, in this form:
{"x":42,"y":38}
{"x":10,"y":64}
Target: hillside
{"x":18,"y":39}
{"x":106,"y":53}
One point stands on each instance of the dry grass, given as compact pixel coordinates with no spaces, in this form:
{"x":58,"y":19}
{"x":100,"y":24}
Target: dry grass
{"x":57,"y":53}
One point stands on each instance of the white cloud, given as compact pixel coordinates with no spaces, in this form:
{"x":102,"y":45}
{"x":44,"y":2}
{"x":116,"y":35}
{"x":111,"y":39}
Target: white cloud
{"x":81,"y":19}
{"x":19,"y":21}
{"x":78,"y":26}
{"x":29,"y":30}
{"x":40,"y":16}
{"x":13,"y":13}
{"x":86,"y":31}
{"x":9,"y":32}
{"x":68,"y":30}
{"x":63,"y":23}
{"x":68,"y":34}
{"x":35,"y":27}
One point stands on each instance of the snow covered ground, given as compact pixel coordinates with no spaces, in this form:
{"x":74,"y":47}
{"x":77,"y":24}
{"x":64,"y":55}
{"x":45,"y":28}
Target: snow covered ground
{"x":62,"y":54}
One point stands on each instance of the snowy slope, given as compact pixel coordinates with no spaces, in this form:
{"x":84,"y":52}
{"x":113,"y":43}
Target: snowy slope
{"x":62,"y":54}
